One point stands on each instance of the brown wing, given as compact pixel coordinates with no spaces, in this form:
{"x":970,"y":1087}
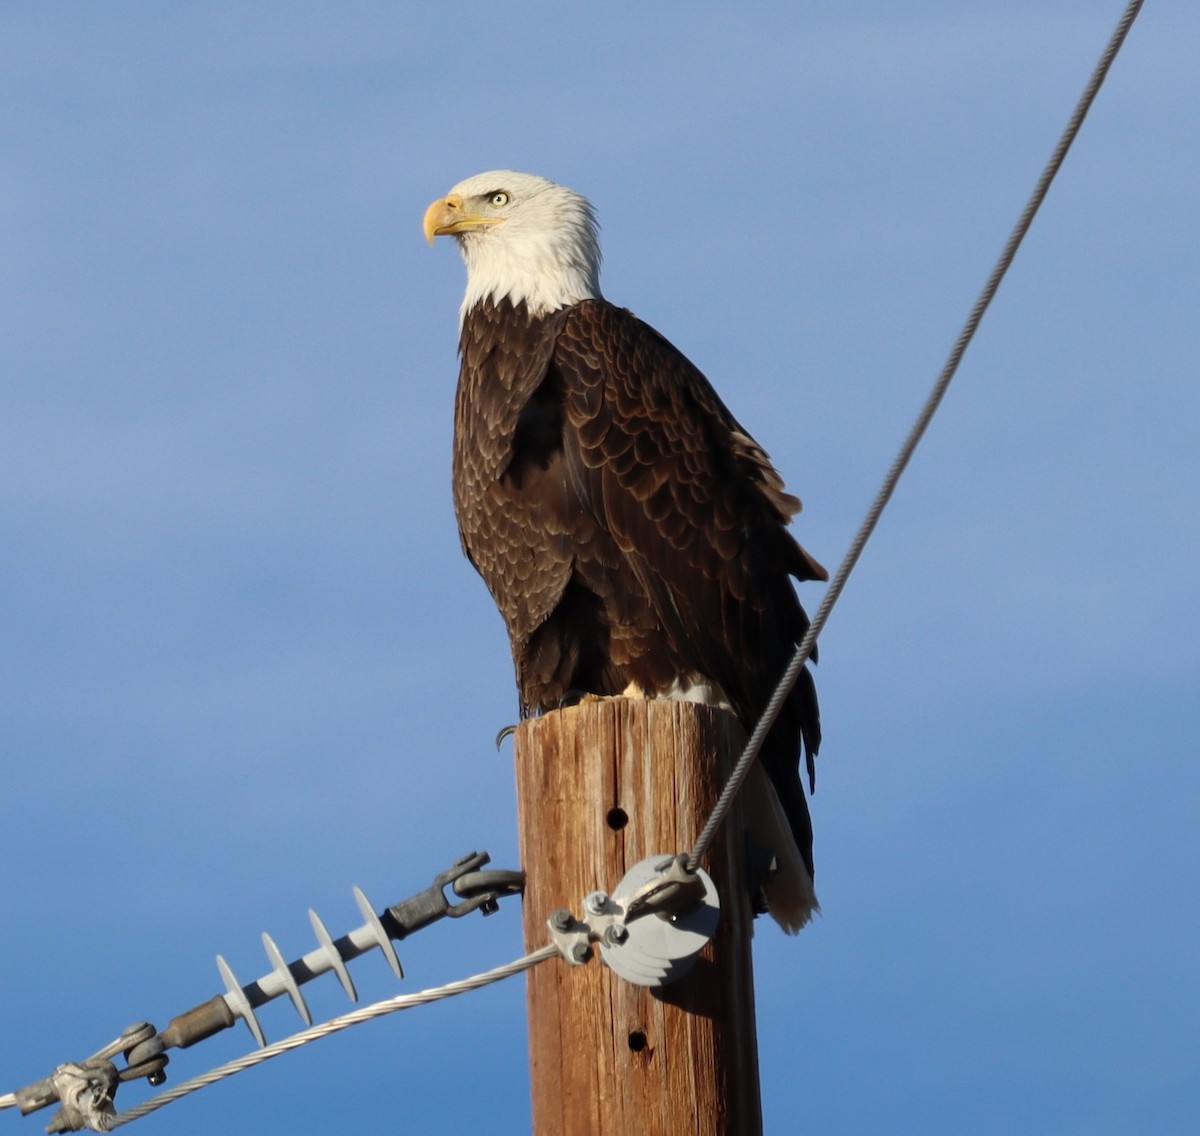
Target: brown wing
{"x":513,"y":520}
{"x":695,"y":507}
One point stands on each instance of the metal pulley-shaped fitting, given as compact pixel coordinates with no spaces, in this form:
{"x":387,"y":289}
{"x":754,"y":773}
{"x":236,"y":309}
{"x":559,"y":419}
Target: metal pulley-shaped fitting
{"x":668,"y":916}
{"x":651,"y":928}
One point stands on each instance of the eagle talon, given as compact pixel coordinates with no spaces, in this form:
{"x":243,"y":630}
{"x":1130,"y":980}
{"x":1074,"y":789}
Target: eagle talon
{"x":577,"y":698}
{"x":508,"y":731}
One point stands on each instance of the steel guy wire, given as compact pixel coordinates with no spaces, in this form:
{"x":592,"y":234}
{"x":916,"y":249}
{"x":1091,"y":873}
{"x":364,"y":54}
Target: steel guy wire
{"x":792,"y":672}
{"x":336,"y":1025}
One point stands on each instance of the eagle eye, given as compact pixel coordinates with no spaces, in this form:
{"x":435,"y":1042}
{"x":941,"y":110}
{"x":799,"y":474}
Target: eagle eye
{"x":499,"y":199}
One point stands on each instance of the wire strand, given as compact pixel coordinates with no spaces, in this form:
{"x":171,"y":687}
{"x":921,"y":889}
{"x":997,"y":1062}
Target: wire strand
{"x":794,"y":667}
{"x":335,"y":1025}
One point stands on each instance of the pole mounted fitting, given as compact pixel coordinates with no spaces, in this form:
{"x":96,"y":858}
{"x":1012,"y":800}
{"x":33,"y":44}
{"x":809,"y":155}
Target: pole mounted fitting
{"x":651,"y":928}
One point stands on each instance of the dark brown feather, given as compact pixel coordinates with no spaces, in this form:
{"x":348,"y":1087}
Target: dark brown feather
{"x":629,"y":529}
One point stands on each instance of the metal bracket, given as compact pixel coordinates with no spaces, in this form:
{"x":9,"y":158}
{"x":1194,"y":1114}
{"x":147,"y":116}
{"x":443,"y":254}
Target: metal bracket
{"x":478,"y":890}
{"x":571,"y":936}
{"x":643,"y":950}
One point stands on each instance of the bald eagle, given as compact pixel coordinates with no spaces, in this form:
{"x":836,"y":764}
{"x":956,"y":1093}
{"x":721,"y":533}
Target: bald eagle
{"x":632,"y":533}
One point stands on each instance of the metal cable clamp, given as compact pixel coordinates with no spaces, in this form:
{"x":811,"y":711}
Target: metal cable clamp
{"x":85,"y":1089}
{"x":650,"y":930}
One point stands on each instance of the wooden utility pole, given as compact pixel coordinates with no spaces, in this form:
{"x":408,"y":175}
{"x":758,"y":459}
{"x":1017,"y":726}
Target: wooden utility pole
{"x":600,"y":787}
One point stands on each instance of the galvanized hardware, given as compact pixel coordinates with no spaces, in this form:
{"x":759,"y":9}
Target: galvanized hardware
{"x":656,"y":952}
{"x":579,"y":953}
{"x":478,"y":890}
{"x":571,"y":936}
{"x":645,"y":951}
{"x":673,"y":891}
{"x":614,"y":935}
{"x":86,"y":1092}
{"x":85,"y":1089}
{"x":596,"y":903}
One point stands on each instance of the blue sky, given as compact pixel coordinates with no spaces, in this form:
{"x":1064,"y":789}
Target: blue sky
{"x":243,"y":665}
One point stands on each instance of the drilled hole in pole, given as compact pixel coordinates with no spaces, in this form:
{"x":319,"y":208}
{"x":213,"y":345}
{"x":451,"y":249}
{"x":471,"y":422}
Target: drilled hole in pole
{"x":617,"y":818}
{"x":637,"y":1041}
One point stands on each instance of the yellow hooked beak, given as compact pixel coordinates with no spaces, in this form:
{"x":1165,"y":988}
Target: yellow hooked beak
{"x":447,"y":216}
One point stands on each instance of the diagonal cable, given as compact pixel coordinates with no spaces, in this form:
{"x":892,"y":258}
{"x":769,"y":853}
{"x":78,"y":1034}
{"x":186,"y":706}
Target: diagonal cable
{"x":794,"y":667}
{"x":334,"y":1025}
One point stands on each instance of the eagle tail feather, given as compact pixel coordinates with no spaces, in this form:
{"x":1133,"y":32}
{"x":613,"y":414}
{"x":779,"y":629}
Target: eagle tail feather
{"x":788,"y":890}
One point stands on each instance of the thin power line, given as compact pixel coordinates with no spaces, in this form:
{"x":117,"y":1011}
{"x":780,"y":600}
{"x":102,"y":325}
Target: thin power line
{"x":334,"y":1025}
{"x":792,"y":673}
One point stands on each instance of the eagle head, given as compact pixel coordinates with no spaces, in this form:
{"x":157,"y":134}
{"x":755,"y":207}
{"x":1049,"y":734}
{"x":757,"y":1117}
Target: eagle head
{"x":524,"y":238}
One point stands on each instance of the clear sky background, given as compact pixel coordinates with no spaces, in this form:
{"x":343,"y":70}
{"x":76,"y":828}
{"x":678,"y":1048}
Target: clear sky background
{"x":243,"y":665}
